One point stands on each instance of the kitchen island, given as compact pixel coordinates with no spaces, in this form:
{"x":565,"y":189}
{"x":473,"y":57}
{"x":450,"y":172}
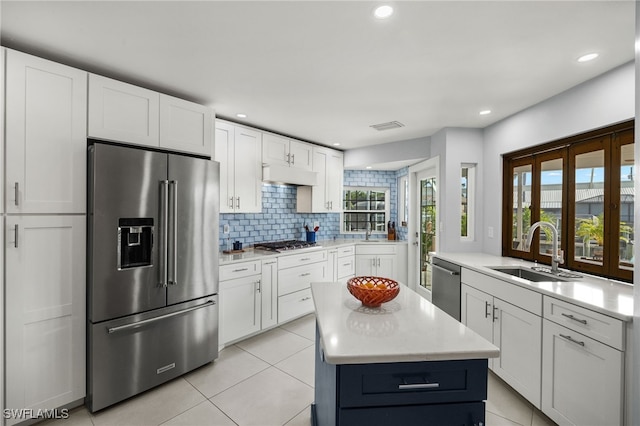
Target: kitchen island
{"x":406,"y":362}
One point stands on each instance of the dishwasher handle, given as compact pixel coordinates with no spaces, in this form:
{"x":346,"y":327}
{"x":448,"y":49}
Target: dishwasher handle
{"x":453,"y":273}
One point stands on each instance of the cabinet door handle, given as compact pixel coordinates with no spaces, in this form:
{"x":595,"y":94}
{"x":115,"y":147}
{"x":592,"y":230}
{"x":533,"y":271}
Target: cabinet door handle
{"x":258,"y":287}
{"x":571,"y":317}
{"x":238,"y":202}
{"x":572,"y":340}
{"x":495,"y":317}
{"x":330,"y":205}
{"x":288,"y":158}
{"x":15,"y":228}
{"x":231,"y":202}
{"x":486,"y":309}
{"x":378,"y":261}
{"x":419,"y":386}
{"x":16,"y":189}
{"x":293,"y":159}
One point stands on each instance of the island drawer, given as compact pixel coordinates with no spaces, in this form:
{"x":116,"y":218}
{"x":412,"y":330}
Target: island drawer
{"x":412,"y":383}
{"x":468,"y":413}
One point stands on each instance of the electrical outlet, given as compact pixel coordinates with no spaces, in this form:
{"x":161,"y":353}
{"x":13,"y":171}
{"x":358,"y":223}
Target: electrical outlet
{"x":225,"y":228}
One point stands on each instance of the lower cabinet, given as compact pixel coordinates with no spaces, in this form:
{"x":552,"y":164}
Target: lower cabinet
{"x":248,"y":298}
{"x":296,"y":272}
{"x":583,"y":378}
{"x":45,"y":321}
{"x":518,"y":334}
{"x":377,"y":259}
{"x":341,"y":264}
{"x":569,"y":361}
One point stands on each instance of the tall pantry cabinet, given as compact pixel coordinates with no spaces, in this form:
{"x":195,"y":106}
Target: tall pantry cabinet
{"x":44,"y":233}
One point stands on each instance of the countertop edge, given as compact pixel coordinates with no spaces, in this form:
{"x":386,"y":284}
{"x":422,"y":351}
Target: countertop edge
{"x":507,"y":261}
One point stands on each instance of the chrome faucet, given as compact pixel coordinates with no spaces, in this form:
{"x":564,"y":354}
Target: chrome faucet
{"x":556,"y":257}
{"x":368,"y":232}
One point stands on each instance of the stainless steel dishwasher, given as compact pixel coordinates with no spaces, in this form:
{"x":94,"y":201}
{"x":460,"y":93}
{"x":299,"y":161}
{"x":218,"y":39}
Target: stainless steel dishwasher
{"x":445,"y":287}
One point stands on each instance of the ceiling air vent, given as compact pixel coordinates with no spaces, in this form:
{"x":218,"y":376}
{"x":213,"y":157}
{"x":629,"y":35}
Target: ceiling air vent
{"x":387,"y":126}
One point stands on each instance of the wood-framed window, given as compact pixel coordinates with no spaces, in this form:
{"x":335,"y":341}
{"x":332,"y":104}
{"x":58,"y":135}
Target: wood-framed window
{"x":584,"y":186}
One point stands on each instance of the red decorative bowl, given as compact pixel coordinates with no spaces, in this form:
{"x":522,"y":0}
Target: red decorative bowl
{"x":373,"y":291}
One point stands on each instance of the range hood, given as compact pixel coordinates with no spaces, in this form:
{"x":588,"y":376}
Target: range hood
{"x":274,"y":173}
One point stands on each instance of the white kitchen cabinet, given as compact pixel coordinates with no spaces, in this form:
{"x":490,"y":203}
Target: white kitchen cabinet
{"x":269,"y":293}
{"x":296,"y":272}
{"x":341,"y":263}
{"x":279,"y":150}
{"x":123,"y":112}
{"x":45,"y":310}
{"x":185,"y":126}
{"x":239,"y":150}
{"x":517,"y":332}
{"x":377,"y":259}
{"x":582,"y":377}
{"x":45,"y":136}
{"x":248,"y":298}
{"x":240,"y":307}
{"x":326,"y":196}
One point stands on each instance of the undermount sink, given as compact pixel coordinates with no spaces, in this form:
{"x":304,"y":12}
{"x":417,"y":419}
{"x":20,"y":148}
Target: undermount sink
{"x":526,"y":274}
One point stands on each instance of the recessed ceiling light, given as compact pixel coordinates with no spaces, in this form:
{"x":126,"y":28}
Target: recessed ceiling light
{"x":383,"y":12}
{"x":588,"y":57}
{"x":368,"y":167}
{"x":485,"y":112}
{"x":336,"y":144}
{"x":241,"y":115}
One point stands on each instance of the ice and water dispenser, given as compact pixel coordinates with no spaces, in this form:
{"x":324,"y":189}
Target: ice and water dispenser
{"x":135,"y":243}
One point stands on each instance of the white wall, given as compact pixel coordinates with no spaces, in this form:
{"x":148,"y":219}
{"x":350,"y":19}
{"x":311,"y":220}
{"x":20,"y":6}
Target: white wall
{"x":602,"y":101}
{"x":455,"y":146}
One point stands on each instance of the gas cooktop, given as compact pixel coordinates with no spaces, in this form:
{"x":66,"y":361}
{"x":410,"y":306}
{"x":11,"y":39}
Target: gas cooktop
{"x":287,"y":245}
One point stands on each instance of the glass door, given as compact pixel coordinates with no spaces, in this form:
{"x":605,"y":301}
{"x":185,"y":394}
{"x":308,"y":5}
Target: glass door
{"x":427,"y":230}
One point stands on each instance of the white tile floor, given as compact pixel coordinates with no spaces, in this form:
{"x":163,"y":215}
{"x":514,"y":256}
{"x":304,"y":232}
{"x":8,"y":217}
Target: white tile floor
{"x":266,"y":380}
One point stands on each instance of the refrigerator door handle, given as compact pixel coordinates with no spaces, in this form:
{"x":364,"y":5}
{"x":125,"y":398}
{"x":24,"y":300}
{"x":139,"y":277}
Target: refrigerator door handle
{"x":137,"y":324}
{"x":172,"y":252}
{"x":164,"y":233}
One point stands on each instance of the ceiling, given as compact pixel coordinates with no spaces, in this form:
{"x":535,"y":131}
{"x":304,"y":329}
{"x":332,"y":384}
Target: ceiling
{"x":326,"y":71}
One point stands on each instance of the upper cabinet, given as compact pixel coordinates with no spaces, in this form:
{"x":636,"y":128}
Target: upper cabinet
{"x":45,"y":136}
{"x":123,"y":112}
{"x":278,"y":150}
{"x":238,"y":149}
{"x":185,"y":126}
{"x":326,"y":196}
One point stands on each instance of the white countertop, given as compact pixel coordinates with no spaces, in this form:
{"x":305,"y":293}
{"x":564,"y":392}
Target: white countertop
{"x":610,"y":297}
{"x":408,"y":328}
{"x":251,"y":254}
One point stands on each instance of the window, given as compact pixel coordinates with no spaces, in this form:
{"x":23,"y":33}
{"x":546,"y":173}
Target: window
{"x":467,"y":189}
{"x":364,"y":205}
{"x":582,"y":185}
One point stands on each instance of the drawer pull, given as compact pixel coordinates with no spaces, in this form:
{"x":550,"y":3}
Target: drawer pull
{"x":305,"y":298}
{"x":572,"y":340}
{"x":241,"y":270}
{"x":304,"y":259}
{"x":419,"y":386}
{"x":346,"y":264}
{"x":306,"y":274}
{"x":571,"y":317}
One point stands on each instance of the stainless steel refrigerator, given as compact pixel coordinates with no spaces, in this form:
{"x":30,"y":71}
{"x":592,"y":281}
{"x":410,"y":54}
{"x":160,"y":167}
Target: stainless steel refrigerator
{"x":152,"y":269}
